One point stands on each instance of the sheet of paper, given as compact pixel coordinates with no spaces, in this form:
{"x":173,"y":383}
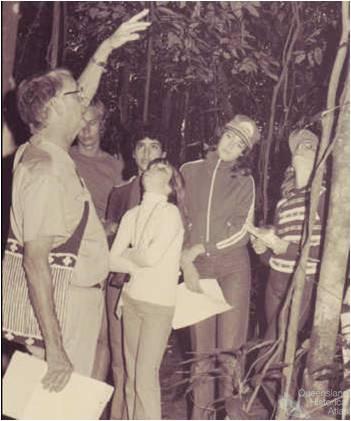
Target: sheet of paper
{"x":25,"y":398}
{"x":192,"y":307}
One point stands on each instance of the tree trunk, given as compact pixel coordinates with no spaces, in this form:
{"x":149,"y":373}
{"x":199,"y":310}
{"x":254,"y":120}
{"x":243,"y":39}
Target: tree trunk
{"x":298,"y":280}
{"x":166,"y":116}
{"x":52,"y":56}
{"x":185,"y":128}
{"x":10,"y":15}
{"x":64,"y":20}
{"x":124,"y":96}
{"x":333,"y":269}
{"x":266,"y":146}
{"x":9,"y":35}
{"x":148,"y":72}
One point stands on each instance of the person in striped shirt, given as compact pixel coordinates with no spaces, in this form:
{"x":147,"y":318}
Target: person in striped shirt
{"x":281,"y":249}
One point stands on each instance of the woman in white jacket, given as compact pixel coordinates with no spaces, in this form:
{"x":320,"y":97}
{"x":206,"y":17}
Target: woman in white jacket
{"x":148,"y":246}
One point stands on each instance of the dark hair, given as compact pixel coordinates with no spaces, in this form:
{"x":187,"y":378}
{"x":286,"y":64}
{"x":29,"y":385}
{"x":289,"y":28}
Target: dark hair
{"x":177,"y":184}
{"x":243,"y":164}
{"x":34,"y":94}
{"x":141,"y":131}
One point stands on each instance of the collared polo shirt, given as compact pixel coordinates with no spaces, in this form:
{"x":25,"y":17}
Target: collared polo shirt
{"x":48,"y":200}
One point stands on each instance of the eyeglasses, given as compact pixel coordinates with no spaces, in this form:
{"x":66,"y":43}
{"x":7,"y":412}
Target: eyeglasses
{"x":78,"y":92}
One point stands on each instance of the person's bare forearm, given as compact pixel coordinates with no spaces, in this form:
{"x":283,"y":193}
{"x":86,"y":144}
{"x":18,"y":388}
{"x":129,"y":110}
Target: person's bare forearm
{"x":128,"y":31}
{"x":90,"y":78}
{"x":40,"y":287}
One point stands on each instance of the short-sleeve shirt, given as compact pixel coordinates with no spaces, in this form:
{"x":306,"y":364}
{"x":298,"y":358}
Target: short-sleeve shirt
{"x":48,"y":200}
{"x":100,"y":175}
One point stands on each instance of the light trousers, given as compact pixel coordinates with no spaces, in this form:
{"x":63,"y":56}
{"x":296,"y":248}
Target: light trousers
{"x":85,"y":307}
{"x":147,"y":328}
{"x":102,"y":355}
{"x":117,"y":360}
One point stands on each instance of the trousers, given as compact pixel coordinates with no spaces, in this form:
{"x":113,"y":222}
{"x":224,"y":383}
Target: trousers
{"x":117,"y":359}
{"x":224,"y":331}
{"x":80,"y":337}
{"x":102,"y":354}
{"x":147,"y":328}
{"x":277,"y":288}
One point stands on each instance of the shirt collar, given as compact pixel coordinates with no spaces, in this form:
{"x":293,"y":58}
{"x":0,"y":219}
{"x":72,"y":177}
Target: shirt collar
{"x":153,"y":198}
{"x":213,"y":159}
{"x":55,"y":151}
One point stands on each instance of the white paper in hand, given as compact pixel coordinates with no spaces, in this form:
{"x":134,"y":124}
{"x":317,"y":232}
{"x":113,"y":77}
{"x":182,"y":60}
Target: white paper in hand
{"x":24,"y":397}
{"x":192,"y":307}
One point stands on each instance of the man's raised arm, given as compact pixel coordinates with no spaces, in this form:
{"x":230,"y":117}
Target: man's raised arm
{"x":128,"y":31}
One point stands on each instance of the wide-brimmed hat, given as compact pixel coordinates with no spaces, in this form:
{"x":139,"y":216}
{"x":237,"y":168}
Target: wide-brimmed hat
{"x":245,"y":128}
{"x":299,"y":136}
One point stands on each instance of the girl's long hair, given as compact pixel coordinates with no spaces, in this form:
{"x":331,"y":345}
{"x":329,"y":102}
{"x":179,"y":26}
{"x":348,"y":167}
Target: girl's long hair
{"x":242,"y":165}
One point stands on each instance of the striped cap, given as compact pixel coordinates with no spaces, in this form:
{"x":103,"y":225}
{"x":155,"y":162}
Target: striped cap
{"x":245,"y":128}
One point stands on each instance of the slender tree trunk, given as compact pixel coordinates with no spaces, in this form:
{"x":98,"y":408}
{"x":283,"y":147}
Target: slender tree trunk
{"x":64,"y":12}
{"x":333,"y":270}
{"x":52,"y":56}
{"x":185,"y":127}
{"x":148,"y":72}
{"x":298,"y":280}
{"x":266,"y":146}
{"x":124,"y":96}
{"x":166,"y":116}
{"x":10,"y":15}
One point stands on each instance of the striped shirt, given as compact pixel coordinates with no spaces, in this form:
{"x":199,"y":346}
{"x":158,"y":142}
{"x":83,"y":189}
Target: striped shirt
{"x":291,"y":213}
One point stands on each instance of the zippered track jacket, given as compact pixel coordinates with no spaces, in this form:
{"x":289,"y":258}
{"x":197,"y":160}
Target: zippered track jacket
{"x":218,"y":204}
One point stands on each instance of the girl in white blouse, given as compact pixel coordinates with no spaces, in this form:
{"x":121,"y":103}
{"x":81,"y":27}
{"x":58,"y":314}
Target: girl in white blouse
{"x":148,"y":246}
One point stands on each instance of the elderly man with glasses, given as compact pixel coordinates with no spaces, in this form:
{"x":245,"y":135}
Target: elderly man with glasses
{"x":48,"y":199}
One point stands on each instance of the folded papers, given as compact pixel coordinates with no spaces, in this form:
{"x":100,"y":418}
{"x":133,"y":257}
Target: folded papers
{"x":192,"y":307}
{"x":24,"y":397}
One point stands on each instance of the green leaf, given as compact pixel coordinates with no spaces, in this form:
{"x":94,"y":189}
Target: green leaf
{"x":252,"y":10}
{"x":248,"y":66}
{"x":310,"y":58}
{"x":170,"y":12}
{"x":267,"y":71}
{"x":300,"y":58}
{"x":173,"y":40}
{"x":93,"y":12}
{"x":318,"y":55}
{"x":237,"y":8}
